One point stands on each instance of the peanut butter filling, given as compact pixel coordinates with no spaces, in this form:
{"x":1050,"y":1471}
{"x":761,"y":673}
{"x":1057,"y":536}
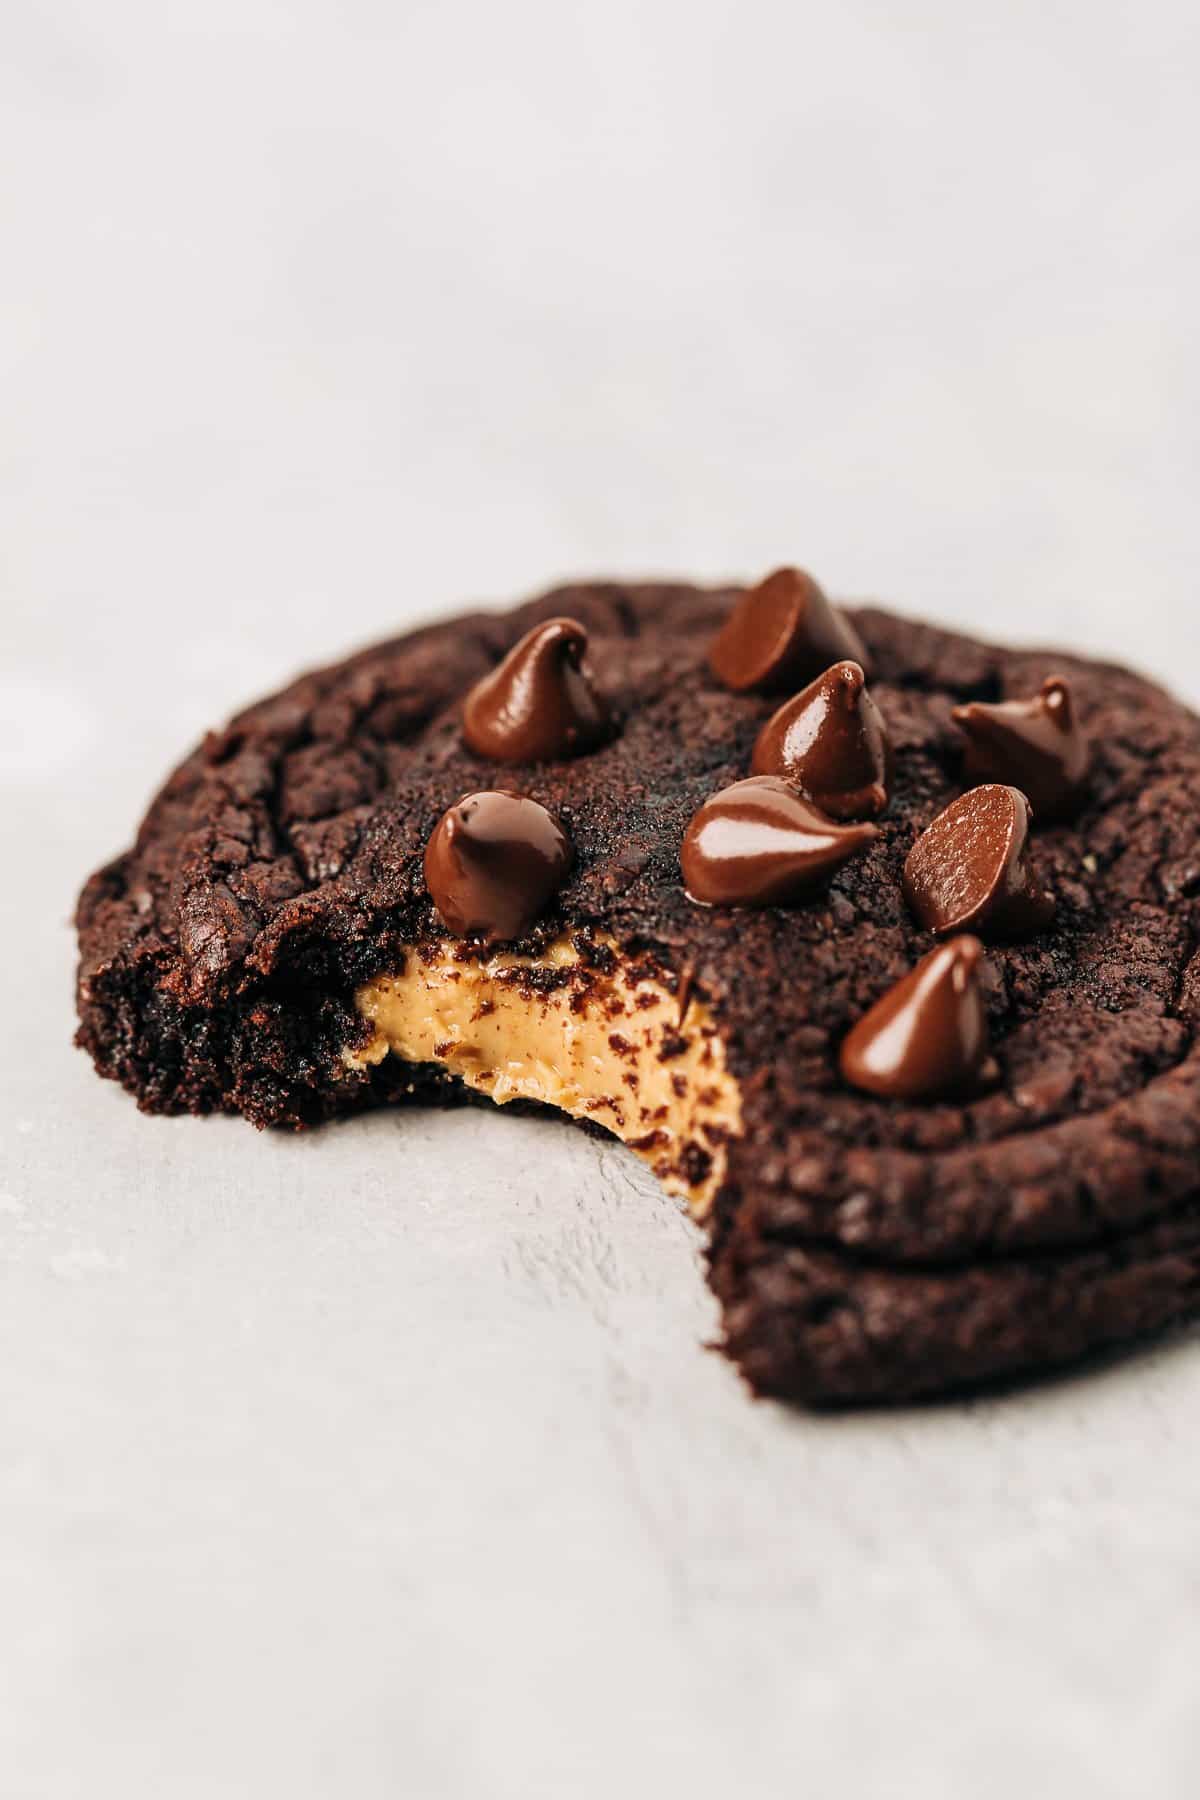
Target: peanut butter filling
{"x":600,"y":1038}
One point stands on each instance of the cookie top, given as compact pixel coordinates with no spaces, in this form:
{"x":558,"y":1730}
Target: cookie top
{"x":281,"y":865}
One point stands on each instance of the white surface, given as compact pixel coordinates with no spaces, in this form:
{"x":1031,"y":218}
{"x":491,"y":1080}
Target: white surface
{"x":365,"y":1464}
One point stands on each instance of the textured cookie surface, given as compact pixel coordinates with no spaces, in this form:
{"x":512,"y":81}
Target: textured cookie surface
{"x":861,"y":1248}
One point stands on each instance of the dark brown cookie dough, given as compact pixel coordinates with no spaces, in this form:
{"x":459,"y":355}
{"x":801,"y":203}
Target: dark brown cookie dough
{"x":861,"y":1248}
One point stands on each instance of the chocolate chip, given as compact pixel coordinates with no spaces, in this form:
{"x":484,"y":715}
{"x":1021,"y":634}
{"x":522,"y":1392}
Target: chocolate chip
{"x":927,"y":1039}
{"x":832,"y":742}
{"x":1036,"y":744}
{"x":538,"y":704}
{"x":780,"y":633}
{"x":967,"y":872}
{"x":493,"y":863}
{"x":760,"y":843}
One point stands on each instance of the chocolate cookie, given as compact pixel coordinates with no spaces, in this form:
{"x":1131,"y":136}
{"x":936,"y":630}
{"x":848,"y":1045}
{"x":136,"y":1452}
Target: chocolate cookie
{"x":271,"y":946}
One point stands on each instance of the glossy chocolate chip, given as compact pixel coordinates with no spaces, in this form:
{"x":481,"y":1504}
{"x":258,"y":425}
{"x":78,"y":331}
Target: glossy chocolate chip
{"x":832,"y":742}
{"x":1036,"y":744}
{"x":493,"y":864}
{"x":760,"y":843}
{"x":538,"y":704}
{"x":782,"y":633}
{"x":968,"y":872}
{"x":927,"y":1039}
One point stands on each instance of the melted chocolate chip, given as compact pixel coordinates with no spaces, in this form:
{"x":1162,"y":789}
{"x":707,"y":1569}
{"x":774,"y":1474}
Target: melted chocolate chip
{"x":967,"y":872}
{"x":832,"y":742}
{"x":493,"y":863}
{"x":927,"y":1039}
{"x":1035,"y":744}
{"x":538,"y":704}
{"x":781,"y":633}
{"x":760,"y":843}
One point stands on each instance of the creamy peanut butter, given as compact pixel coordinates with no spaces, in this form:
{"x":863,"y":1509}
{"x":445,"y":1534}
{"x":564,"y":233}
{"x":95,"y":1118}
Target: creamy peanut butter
{"x":598,"y":1035}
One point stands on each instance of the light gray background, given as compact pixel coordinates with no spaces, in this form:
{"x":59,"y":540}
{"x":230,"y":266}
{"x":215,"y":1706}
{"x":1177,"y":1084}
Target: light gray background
{"x":388,"y":1461}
